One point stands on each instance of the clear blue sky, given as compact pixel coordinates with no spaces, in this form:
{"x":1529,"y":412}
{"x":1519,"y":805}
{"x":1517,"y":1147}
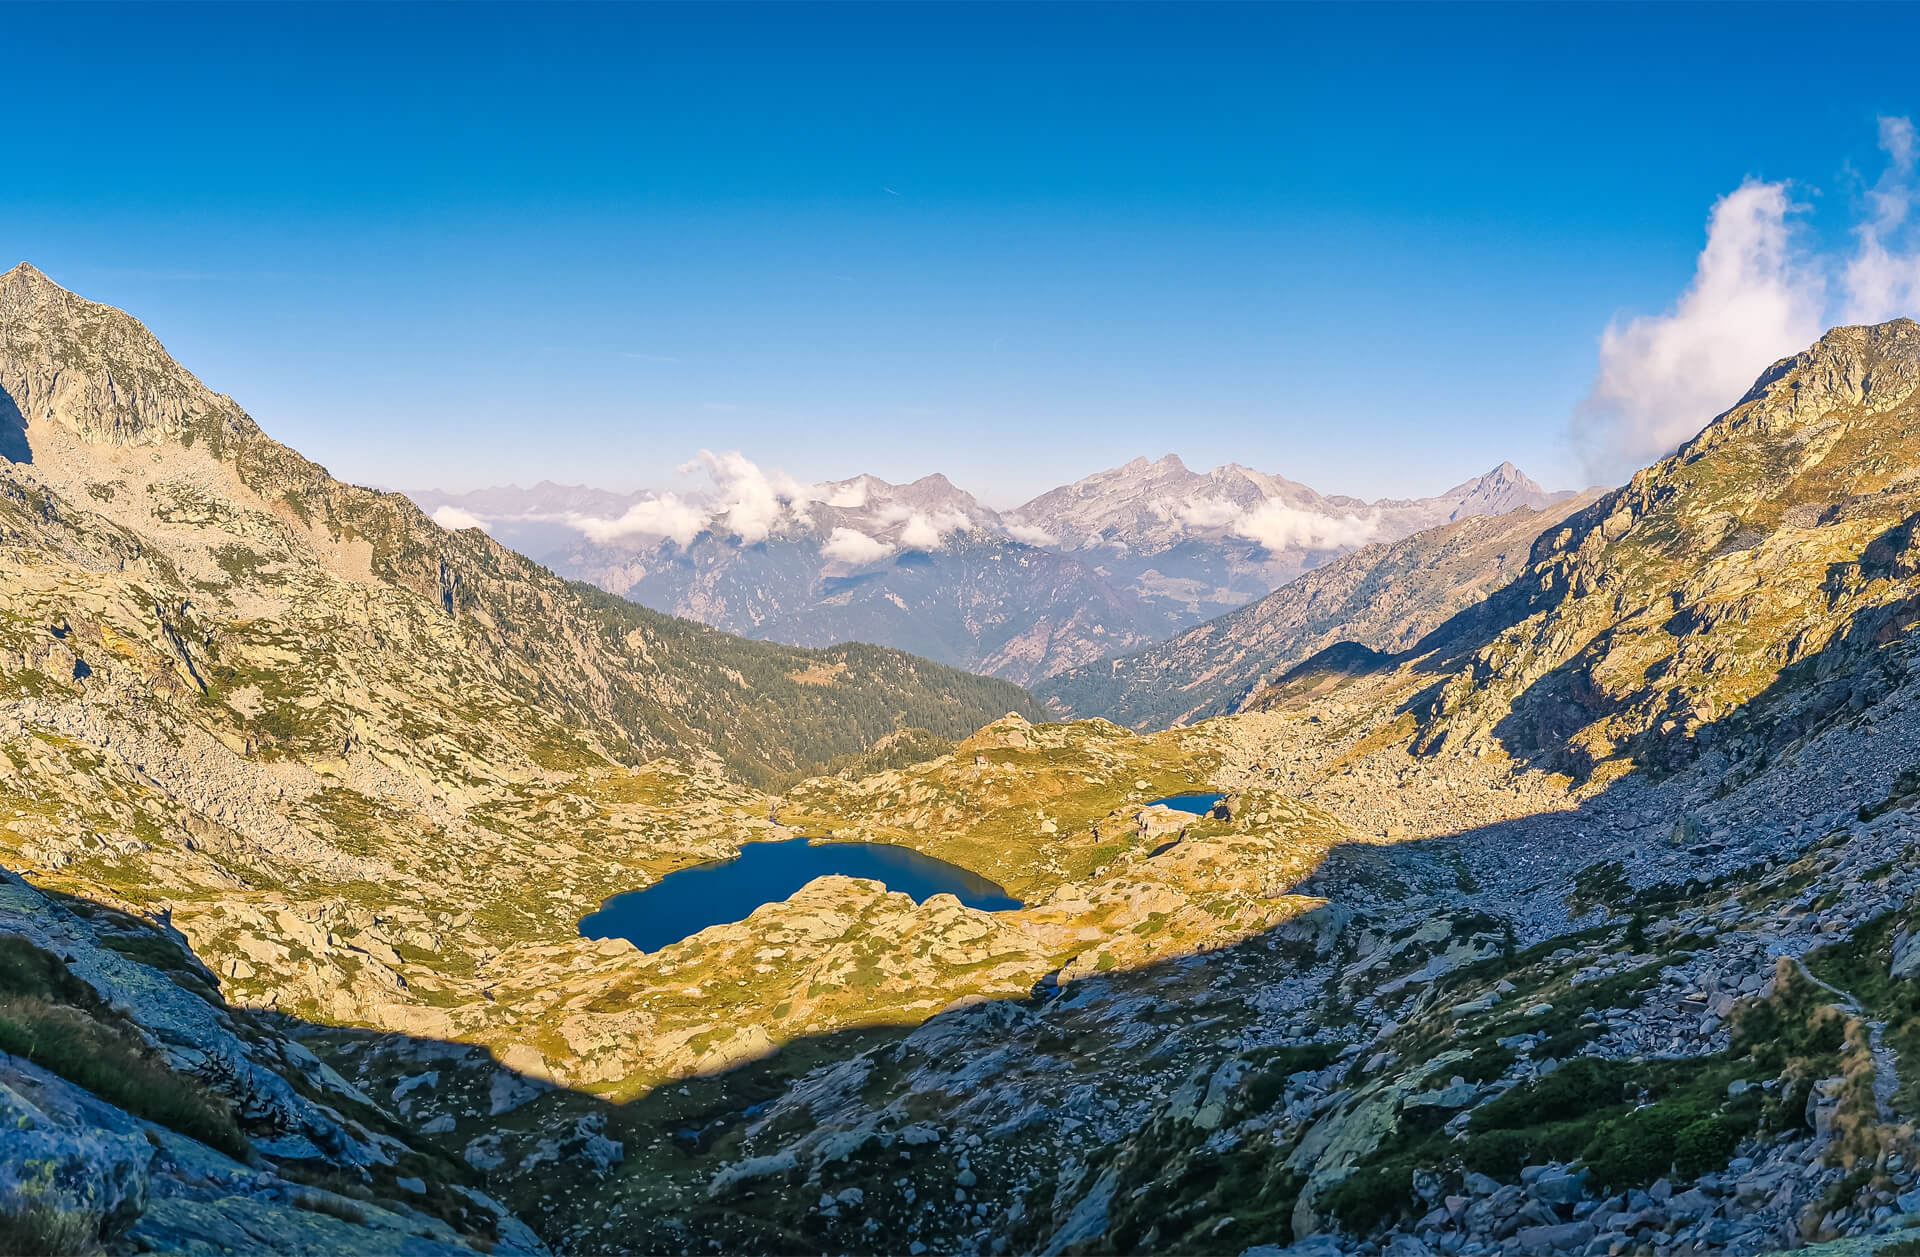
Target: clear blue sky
{"x":1371,"y":248}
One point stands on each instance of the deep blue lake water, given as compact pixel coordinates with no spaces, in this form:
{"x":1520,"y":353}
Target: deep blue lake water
{"x":1198,"y":804}
{"x":690,"y":900}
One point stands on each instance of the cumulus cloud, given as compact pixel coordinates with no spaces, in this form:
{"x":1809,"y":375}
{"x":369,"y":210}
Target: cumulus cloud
{"x":921,"y":530}
{"x":848,"y":497}
{"x":752,"y":503}
{"x":454,"y":518}
{"x":1759,"y":293}
{"x":1207,"y":513}
{"x":1031,"y":534}
{"x":664,"y":515}
{"x":1882,"y":278}
{"x":1278,"y":527}
{"x":846,"y":545}
{"x":741,"y":500}
{"x":1754,"y":299}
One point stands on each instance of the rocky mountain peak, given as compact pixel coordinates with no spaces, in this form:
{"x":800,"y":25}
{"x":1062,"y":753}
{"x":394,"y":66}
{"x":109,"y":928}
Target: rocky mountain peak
{"x":1835,"y":423}
{"x":25,"y":275}
{"x":1871,"y":368}
{"x":1505,"y":488}
{"x":934,"y":492}
{"x":95,"y":371}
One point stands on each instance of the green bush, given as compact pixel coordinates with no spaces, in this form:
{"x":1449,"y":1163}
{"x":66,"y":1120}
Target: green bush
{"x":38,"y":1229}
{"x":1582,"y":1111}
{"x":1703,"y":1145}
{"x":1497,"y":1153}
{"x":1575,"y":1090}
{"x":1501,"y":1153}
{"x":1367,"y":1197}
{"x":108,"y":1060}
{"x":1265,"y":1087}
{"x":1636,"y":938}
{"x":28,"y":970}
{"x":152,"y":950}
{"x":1484,"y":1065}
{"x":1774,"y":1037}
{"x":1682,"y":1136}
{"x":1638,"y":1148}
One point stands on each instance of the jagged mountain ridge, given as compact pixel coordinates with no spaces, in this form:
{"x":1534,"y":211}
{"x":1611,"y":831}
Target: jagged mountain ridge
{"x":1383,"y":596}
{"x":1149,"y":508}
{"x":1724,"y":602}
{"x":92,"y":386}
{"x":1111,"y":563}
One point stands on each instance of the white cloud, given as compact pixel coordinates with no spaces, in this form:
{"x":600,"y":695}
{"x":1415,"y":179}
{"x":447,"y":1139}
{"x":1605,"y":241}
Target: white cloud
{"x":1279,"y":527}
{"x":741,"y":500}
{"x":1032,"y":534}
{"x":1881,"y":281}
{"x":923,"y":531}
{"x":1207,"y":513}
{"x":849,"y":546}
{"x":848,"y":497}
{"x":1754,"y":299}
{"x":1276,"y":525}
{"x":751,"y":502}
{"x":665,"y":515}
{"x":454,"y":518}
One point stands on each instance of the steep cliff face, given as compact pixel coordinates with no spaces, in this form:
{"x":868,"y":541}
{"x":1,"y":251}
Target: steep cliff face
{"x":98,"y":374}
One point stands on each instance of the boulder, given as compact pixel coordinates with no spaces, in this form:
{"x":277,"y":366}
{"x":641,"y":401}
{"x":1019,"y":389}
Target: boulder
{"x":1549,"y":1241}
{"x":1906,"y":955}
{"x":1559,"y":1187}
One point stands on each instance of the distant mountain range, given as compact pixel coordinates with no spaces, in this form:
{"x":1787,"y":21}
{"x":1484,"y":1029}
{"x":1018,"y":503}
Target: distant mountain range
{"x":1106,"y":565}
{"x":1384,"y":597}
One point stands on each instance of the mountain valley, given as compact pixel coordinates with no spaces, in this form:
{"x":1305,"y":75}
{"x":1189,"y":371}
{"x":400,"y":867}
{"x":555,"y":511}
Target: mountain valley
{"x":1561,"y":897}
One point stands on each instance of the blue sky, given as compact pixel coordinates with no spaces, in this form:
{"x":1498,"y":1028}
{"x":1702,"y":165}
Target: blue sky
{"x":1371,"y":248}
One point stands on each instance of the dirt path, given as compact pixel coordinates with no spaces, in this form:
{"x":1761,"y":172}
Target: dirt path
{"x":1886,"y":1081}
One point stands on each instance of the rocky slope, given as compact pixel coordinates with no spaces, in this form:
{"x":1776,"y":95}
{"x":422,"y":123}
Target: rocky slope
{"x":143,"y":1111}
{"x":218,"y":539}
{"x":1584,"y":924}
{"x":373,"y":773}
{"x":1657,"y":1001}
{"x":1383,"y":596}
{"x":1725,"y":601}
{"x":1116,"y":561}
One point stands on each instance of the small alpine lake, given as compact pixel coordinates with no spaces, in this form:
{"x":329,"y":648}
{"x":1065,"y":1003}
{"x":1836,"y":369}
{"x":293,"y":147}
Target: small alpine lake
{"x":688,"y":901}
{"x":1197,"y":804}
